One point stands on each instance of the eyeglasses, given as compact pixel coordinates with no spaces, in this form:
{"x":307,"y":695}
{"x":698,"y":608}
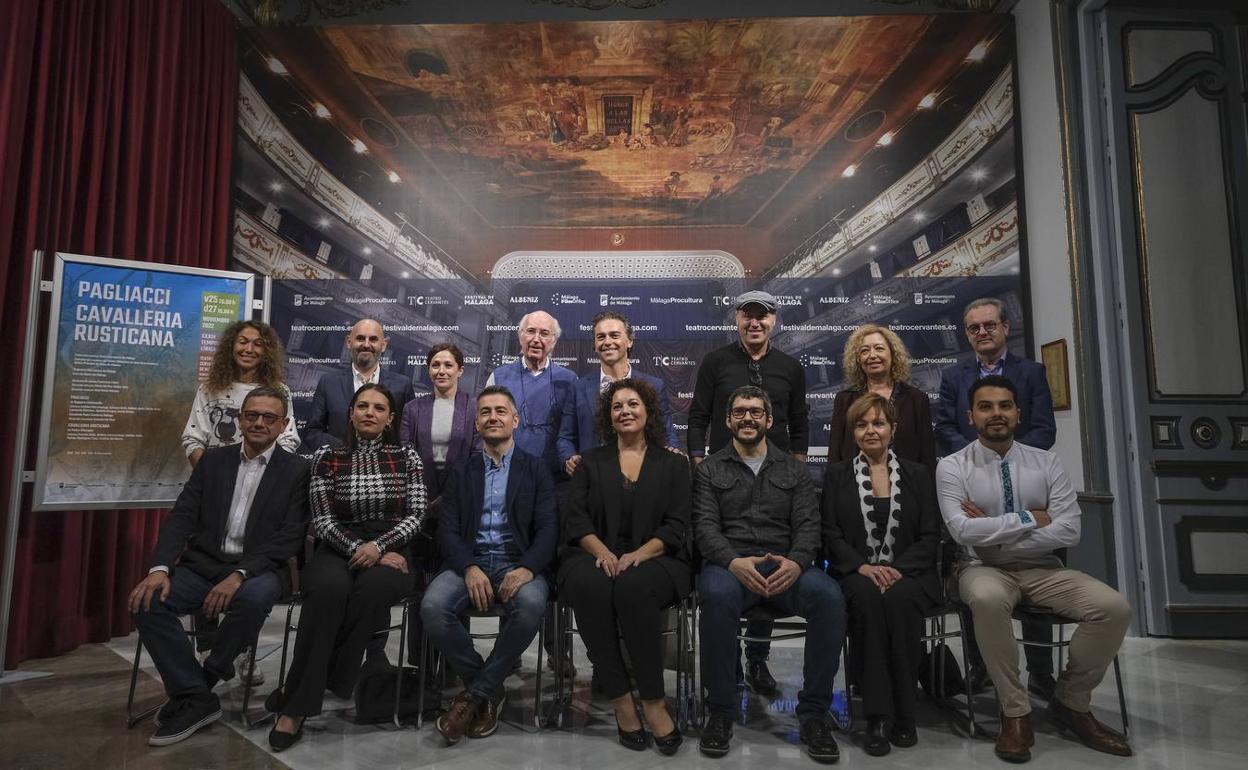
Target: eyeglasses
{"x":989,"y":327}
{"x":268,"y":418}
{"x":543,"y":333}
{"x":741,"y":412}
{"x":756,"y":373}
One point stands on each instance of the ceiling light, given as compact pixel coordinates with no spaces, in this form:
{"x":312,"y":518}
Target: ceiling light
{"x":849,"y":171}
{"x":406,"y":274}
{"x":873,"y":248}
{"x":920,"y":217}
{"x":277,"y":67}
{"x":979,"y":52}
{"x":358,"y":146}
{"x":367,"y":250}
{"x":836,"y":271}
{"x":979,"y":174}
{"x":393,"y":177}
{"x":275,"y":186}
{"x":928,"y":102}
{"x":321,"y":110}
{"x":323,"y":222}
{"x":885,"y":140}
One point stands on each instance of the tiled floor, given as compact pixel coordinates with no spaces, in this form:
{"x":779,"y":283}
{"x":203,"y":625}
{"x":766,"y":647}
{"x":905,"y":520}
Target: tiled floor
{"x":1188,"y":705}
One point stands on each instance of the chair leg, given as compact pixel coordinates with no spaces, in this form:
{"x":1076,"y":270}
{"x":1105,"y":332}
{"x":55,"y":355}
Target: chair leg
{"x":1122,"y":699}
{"x":281,"y":671}
{"x":681,"y":720}
{"x":966,"y":680}
{"x":251,"y":670}
{"x":424,"y":671}
{"x":537,"y":687}
{"x":398,"y":677}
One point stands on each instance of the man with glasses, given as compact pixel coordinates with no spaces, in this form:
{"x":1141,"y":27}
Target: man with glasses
{"x":222,"y":551}
{"x":987,"y":328}
{"x":757,"y":525}
{"x":751,"y":360}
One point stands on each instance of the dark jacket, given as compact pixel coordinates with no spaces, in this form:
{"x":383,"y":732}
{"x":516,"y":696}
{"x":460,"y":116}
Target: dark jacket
{"x":1036,"y":426}
{"x":577,"y":432}
{"x":728,"y":368}
{"x":417,"y":424}
{"x":530,"y":512}
{"x":912,"y":439}
{"x":194,"y":533}
{"x":331,"y":404}
{"x":660,"y":508}
{"x":919,"y":525}
{"x":736,"y":513}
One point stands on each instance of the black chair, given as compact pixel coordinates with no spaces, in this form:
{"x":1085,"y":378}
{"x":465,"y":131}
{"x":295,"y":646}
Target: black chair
{"x":685,"y":631}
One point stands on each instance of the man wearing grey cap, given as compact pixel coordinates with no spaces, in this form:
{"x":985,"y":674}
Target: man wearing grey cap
{"x":751,"y":360}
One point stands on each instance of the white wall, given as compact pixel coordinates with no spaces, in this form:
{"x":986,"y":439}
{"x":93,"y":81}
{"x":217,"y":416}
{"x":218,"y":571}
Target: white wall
{"x":1044,"y":197}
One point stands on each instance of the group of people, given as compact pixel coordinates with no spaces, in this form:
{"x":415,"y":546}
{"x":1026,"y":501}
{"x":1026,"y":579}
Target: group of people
{"x":550,"y":485}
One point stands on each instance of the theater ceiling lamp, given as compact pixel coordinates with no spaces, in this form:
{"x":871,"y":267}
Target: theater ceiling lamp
{"x":849,"y":171}
{"x":393,"y":177}
{"x":979,"y":52}
{"x":885,"y":139}
{"x":928,"y":102}
{"x":277,"y":67}
{"x":358,"y":146}
{"x":321,"y":110}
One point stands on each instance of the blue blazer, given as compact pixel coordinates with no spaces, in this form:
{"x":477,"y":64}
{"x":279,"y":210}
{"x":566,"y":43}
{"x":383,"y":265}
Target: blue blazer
{"x":530,"y":512}
{"x":418,"y":423}
{"x":1036,"y":426}
{"x":576,"y":430}
{"x":331,"y":403}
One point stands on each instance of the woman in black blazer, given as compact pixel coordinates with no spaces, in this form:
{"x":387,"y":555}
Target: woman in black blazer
{"x":876,"y":361}
{"x":625,"y":556}
{"x":881,"y":530}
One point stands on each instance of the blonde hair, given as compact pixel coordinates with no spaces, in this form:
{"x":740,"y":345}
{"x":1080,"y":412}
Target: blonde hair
{"x":899,"y":370}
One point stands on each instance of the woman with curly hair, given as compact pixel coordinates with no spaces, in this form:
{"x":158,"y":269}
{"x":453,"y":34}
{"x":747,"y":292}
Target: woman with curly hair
{"x":625,"y":557}
{"x":249,"y":355}
{"x":876,"y":361}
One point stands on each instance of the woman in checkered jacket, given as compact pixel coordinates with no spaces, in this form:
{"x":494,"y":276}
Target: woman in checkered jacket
{"x":368,"y":503}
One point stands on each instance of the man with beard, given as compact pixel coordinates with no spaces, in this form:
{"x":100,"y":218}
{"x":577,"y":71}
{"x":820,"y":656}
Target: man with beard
{"x":613,"y":340}
{"x":327,"y":423}
{"x":1013,"y":505}
{"x":756,"y":522}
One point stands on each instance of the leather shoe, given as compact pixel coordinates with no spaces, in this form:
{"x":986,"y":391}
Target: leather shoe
{"x":458,"y":716}
{"x":637,"y":740}
{"x":902,"y":734}
{"x":279,"y":741}
{"x":485,"y":723}
{"x":1016,"y":739}
{"x":820,"y":745}
{"x":668,"y":744}
{"x":1088,"y":729}
{"x":716,"y":735}
{"x":1042,"y":685}
{"x":759,"y":678}
{"x":874,"y":741}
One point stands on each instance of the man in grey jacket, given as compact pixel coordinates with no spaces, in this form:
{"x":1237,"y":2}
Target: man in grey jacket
{"x":756,"y":522}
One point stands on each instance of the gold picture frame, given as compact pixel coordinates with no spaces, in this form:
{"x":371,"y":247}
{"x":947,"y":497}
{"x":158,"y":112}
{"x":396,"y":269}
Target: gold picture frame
{"x":1057,"y":370}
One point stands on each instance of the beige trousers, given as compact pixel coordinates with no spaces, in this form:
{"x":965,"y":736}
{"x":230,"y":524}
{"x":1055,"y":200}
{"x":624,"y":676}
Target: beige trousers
{"x":1102,"y":613}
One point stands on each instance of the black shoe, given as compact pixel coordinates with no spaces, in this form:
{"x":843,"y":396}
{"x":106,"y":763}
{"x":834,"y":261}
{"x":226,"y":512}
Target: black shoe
{"x":979,"y":679}
{"x":164,"y":713}
{"x":874,"y":741}
{"x":716,"y":735}
{"x":820,"y":745}
{"x":759,"y":678}
{"x":1041,"y":685}
{"x":637,"y":740}
{"x":188,"y":715}
{"x":902,"y":734}
{"x":668,"y":744}
{"x":282,"y":741}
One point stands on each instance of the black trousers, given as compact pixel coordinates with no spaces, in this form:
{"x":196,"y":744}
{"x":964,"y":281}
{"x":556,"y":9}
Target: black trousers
{"x":630,"y":606}
{"x":885,"y":647}
{"x":342,"y":609}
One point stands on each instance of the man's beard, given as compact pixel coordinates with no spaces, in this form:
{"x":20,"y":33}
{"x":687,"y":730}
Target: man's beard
{"x":759,"y":435}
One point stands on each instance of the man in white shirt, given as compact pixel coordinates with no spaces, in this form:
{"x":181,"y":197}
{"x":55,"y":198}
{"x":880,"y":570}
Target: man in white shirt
{"x":240,"y":517}
{"x":1013,"y":507}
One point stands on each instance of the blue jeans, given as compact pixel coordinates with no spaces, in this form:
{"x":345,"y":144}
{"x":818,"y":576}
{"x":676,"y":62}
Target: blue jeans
{"x":814,"y":596}
{"x":171,"y":649}
{"x":447,"y":598}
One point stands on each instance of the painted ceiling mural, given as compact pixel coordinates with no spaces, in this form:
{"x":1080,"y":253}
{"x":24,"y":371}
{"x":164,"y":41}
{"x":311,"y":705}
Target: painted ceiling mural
{"x":623,"y":123}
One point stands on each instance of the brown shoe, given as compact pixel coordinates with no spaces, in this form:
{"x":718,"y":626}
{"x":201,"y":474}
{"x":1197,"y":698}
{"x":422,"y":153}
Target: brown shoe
{"x":1088,"y":729}
{"x":455,"y":720}
{"x":1016,"y":739}
{"x":486,"y":721}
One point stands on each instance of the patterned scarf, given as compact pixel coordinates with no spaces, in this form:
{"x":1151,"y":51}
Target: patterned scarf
{"x":880,"y":532}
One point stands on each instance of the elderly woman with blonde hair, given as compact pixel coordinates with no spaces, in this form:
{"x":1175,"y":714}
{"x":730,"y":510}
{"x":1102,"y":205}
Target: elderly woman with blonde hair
{"x":876,"y":361}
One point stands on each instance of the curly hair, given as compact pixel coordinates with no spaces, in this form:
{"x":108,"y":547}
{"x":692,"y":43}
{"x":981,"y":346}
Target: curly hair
{"x":899,"y":370}
{"x":654,"y":431}
{"x":224,"y":370}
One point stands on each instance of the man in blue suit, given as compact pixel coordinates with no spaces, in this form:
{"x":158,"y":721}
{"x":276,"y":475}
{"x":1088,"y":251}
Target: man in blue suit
{"x":987,"y":328}
{"x":497,"y":534}
{"x":613,"y":341}
{"x":331,"y":402}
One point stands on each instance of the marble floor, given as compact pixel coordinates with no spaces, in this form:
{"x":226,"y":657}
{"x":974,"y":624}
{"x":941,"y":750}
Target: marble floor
{"x":1188,"y":703}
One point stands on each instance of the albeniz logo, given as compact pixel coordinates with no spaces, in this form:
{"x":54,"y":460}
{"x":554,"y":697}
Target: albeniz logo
{"x":478,"y":299}
{"x":423,"y":301}
{"x":840,"y":300}
{"x":807,"y":359}
{"x":472,"y":359}
{"x":673,"y":361}
{"x":523,"y":300}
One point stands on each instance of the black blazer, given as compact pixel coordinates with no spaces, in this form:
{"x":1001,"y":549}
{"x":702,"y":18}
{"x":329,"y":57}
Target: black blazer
{"x":913,"y":438}
{"x":530,"y":511}
{"x":194,"y":533}
{"x":331,"y":403}
{"x":662,"y":500}
{"x":919,"y":522}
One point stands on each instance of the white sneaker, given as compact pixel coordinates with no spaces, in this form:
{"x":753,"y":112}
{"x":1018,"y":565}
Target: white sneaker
{"x":255,"y":677}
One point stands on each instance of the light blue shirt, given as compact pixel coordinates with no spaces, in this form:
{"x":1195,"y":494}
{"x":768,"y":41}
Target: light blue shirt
{"x":494,"y":534}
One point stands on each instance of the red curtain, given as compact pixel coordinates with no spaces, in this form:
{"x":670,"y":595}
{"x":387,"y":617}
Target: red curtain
{"x":116,"y":139}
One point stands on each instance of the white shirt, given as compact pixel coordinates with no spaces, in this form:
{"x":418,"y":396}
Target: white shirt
{"x":605,"y":380}
{"x":250,"y":469}
{"x":1008,"y":533}
{"x":360,"y":380}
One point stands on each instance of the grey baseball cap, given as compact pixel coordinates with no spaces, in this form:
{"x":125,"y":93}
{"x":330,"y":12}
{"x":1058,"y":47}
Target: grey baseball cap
{"x":757,"y":298}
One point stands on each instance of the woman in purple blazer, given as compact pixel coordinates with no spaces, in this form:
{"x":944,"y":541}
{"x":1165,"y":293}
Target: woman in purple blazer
{"x":442,"y":426}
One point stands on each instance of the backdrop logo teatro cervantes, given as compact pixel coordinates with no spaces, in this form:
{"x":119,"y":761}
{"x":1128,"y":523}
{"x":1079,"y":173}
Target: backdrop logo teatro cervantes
{"x":674,"y":361}
{"x":424,"y":300}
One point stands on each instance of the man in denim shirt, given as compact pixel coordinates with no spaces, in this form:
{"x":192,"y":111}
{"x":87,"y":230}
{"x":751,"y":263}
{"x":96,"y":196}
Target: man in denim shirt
{"x":756,"y":523}
{"x":497,"y":533}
